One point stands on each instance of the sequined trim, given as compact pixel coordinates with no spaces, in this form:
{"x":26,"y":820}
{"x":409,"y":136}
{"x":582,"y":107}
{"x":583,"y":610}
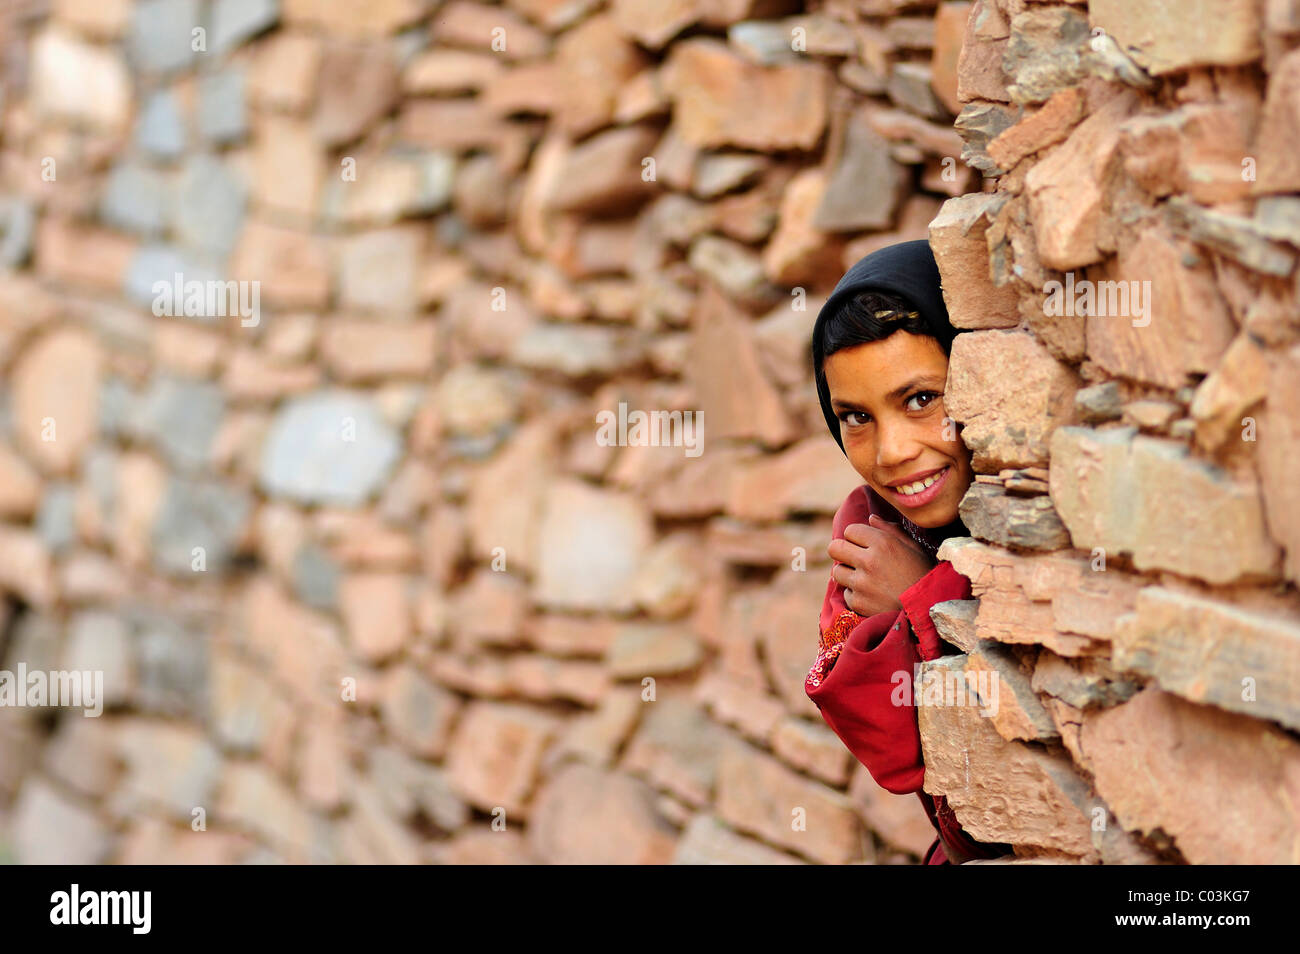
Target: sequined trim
{"x":832,"y":640}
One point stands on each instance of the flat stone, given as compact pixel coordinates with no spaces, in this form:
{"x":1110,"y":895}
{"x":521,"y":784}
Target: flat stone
{"x":1008,"y":422}
{"x":161,"y":34}
{"x":864,"y":190}
{"x":1210,"y":651}
{"x":590,"y":546}
{"x":135,"y":199}
{"x":52,"y":829}
{"x":1098,"y":403}
{"x":54,"y":394}
{"x":954,"y":620}
{"x":1205,"y":33}
{"x":758,"y":795}
{"x":1045,"y":52}
{"x":358,"y":85}
{"x":1156,"y":743}
{"x":494,"y":757}
{"x":79,"y":81}
{"x":958,"y":238}
{"x":720,"y":99}
{"x":418,"y":713}
{"x":652,"y":649}
{"x":160,"y":128}
{"x":202,"y":514}
{"x":208,"y":211}
{"x":1103,"y":485}
{"x":222,"y":107}
{"x":330,"y":447}
{"x":992,"y":514}
{"x":236,"y":21}
{"x":1001,"y":791}
{"x":707,"y":841}
{"x":588,"y":816}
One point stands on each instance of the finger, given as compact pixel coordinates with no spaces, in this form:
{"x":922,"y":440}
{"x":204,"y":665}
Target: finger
{"x":842,"y":574}
{"x":861,"y":534}
{"x":844,"y":552}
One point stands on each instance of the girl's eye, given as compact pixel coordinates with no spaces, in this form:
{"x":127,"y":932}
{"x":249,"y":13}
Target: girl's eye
{"x":930,"y":395}
{"x":847,"y":418}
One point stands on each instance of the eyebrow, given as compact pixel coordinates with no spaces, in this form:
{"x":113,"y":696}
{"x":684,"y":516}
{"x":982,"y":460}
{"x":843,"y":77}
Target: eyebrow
{"x":898,"y":392}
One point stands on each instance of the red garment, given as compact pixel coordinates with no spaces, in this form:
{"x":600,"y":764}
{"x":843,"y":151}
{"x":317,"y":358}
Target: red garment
{"x":854,"y":677}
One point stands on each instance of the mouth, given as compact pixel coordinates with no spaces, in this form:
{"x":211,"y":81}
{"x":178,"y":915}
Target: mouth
{"x":918,"y":493}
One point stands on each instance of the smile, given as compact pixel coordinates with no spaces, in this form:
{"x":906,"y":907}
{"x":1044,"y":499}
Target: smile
{"x":921,"y":492}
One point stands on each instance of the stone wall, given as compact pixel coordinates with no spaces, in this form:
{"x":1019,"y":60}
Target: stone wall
{"x":364,"y":580}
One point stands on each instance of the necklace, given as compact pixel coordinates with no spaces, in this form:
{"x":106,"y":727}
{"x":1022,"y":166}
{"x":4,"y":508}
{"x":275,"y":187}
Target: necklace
{"x":918,"y":534}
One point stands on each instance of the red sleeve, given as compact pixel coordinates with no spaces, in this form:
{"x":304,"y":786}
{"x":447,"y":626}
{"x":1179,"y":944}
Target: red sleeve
{"x":863,"y":664}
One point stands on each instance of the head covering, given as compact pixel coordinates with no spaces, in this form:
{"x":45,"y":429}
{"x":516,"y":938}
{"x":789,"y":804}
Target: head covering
{"x":906,"y":270}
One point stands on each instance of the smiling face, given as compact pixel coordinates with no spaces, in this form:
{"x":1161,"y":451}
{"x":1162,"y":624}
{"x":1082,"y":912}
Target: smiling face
{"x":888,"y":395}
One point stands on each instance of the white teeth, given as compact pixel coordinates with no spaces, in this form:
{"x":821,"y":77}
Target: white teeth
{"x":908,"y":489}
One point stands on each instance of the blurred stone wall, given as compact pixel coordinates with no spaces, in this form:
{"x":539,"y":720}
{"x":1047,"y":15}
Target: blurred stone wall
{"x":366,"y":585}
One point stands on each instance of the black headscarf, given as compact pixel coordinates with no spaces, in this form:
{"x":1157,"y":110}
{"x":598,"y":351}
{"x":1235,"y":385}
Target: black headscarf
{"x":908,"y":271}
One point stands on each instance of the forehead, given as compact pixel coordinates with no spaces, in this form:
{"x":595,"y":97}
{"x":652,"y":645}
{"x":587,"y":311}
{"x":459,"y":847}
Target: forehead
{"x":871,"y":370}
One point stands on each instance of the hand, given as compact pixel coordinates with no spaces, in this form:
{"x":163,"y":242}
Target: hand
{"x":876,"y":561}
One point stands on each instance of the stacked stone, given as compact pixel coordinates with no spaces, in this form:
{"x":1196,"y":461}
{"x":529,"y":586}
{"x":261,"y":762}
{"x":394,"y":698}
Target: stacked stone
{"x":1136,"y":529}
{"x":363,"y":582}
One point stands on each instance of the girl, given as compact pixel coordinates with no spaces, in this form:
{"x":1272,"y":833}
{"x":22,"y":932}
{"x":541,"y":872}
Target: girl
{"x":880,"y":359}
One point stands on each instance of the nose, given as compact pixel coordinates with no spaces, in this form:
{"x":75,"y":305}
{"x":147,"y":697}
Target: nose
{"x":897,"y":445}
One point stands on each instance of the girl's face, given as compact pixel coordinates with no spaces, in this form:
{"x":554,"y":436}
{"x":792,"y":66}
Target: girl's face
{"x":888,"y":395}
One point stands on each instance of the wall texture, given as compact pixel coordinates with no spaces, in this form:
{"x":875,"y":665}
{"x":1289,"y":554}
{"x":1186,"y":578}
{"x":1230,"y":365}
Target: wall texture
{"x":366,"y":584}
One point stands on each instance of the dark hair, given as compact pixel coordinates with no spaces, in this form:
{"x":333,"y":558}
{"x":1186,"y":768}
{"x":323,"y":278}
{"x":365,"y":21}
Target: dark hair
{"x":871,"y":316}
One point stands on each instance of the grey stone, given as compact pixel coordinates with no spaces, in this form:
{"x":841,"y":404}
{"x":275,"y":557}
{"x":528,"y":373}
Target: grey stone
{"x":162,"y":263}
{"x":37,"y":640}
{"x":316,"y":577}
{"x":134,"y":199}
{"x":954,"y":620}
{"x":909,"y":88}
{"x":182,"y":416}
{"x":160,"y":129}
{"x":1278,"y":217}
{"x":1047,"y":52}
{"x":571,"y":349}
{"x":56,"y":520}
{"x":1012,"y":521}
{"x":1099,"y":402}
{"x":198,"y":513}
{"x":765,"y":42}
{"x":210,"y":202}
{"x":978,"y":124}
{"x":716,"y":173}
{"x":408,"y":787}
{"x":161,"y":37}
{"x":1241,"y":239}
{"x":866,"y":186}
{"x":234,"y":21}
{"x":171,"y":665}
{"x":17,"y":227}
{"x":223,"y":106}
{"x":1083,"y":682}
{"x":329,"y":447}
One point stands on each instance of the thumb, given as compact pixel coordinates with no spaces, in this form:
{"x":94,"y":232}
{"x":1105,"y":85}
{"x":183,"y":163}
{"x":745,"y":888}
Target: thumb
{"x":880,"y":523}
